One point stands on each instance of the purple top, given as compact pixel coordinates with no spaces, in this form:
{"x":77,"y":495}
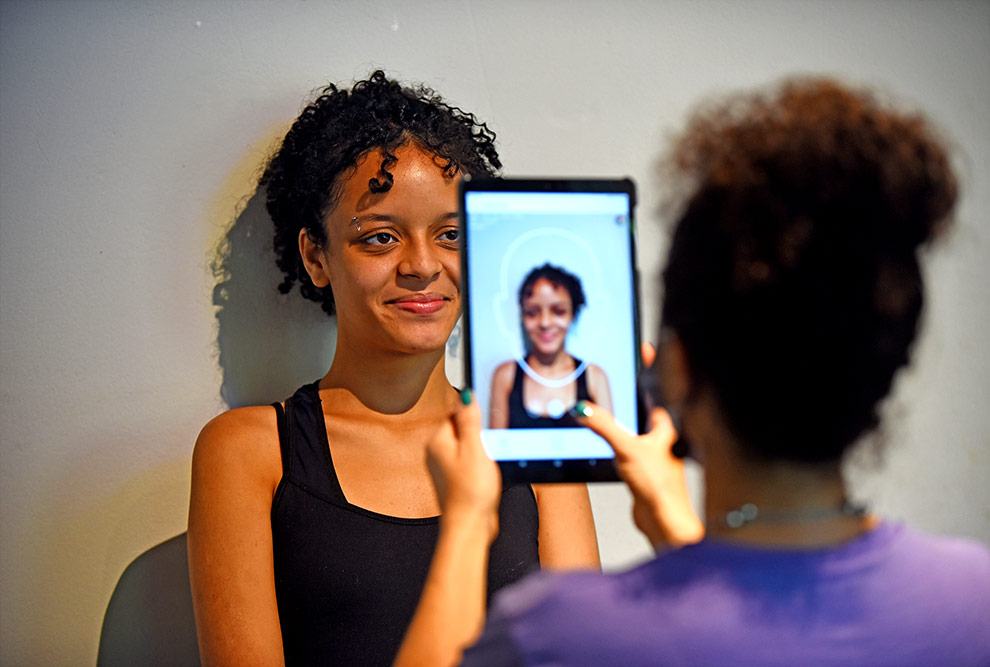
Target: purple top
{"x":891,"y":597}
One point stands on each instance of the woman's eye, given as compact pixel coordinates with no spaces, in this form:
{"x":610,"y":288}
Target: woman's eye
{"x":381,"y":238}
{"x":450,"y":236}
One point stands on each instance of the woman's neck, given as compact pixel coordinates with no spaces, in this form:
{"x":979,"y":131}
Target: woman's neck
{"x":396,"y":384}
{"x":552,"y":366}
{"x":770,"y":503}
{"x":780,"y":504}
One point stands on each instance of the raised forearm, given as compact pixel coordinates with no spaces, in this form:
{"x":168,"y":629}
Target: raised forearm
{"x":451,"y":610}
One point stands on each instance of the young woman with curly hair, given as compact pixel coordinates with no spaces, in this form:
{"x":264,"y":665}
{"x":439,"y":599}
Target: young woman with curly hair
{"x":792,"y":296}
{"x":312,"y":522}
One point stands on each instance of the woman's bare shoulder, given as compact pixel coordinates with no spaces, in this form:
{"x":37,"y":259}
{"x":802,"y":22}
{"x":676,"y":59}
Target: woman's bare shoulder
{"x":504,"y":375}
{"x":596,"y":372}
{"x":598,"y":386}
{"x":243,"y":437}
{"x":505,"y":370}
{"x":242,"y":425}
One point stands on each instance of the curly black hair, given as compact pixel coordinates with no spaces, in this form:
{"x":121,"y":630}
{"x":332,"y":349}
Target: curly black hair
{"x":302,"y":180}
{"x":793,"y":278}
{"x":558,"y":277}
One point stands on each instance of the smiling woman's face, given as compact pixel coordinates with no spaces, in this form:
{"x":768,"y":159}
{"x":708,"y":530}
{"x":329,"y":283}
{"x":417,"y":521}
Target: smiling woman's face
{"x":547,"y":314}
{"x":392,"y":257}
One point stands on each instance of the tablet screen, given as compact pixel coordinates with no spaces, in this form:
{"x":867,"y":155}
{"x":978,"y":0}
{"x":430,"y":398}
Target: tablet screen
{"x":551,"y":318}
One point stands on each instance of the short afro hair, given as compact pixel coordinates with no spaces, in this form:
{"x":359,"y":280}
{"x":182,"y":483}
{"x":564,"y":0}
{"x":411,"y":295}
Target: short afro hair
{"x":793,"y":279}
{"x":558,"y":277}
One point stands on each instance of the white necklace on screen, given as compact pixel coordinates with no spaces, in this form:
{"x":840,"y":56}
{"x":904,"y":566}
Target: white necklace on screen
{"x":553,"y":383}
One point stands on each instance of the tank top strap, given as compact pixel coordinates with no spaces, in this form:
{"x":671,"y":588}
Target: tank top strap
{"x":306,"y":459}
{"x":284,"y":439}
{"x":517,"y":381}
{"x":582,"y":383}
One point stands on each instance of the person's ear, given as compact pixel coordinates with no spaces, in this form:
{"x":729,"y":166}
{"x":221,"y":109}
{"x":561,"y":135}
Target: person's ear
{"x":314,"y":259}
{"x":675,"y":370}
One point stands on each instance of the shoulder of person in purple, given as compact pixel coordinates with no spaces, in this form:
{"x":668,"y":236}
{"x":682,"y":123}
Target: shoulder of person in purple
{"x":894,"y":596}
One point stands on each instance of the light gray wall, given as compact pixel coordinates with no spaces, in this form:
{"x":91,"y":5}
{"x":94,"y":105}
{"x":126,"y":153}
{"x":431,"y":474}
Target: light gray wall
{"x":131,"y":134}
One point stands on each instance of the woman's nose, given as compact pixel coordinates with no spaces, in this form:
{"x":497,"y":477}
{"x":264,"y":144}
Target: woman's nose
{"x":420,"y":260}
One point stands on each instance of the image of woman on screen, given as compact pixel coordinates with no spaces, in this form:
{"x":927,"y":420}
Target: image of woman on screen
{"x":538,"y":390}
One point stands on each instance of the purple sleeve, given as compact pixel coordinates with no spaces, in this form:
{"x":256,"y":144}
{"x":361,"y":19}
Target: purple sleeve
{"x":495,"y":646}
{"x":515,"y":610}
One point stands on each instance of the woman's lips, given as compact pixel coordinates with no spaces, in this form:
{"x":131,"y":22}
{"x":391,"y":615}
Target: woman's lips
{"x":421,"y":304}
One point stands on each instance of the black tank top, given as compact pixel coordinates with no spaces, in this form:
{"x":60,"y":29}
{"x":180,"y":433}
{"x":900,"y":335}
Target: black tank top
{"x":348,"y":579}
{"x":520,"y":417}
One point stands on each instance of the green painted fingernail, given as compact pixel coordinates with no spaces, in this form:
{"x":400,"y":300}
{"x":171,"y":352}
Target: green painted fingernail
{"x":582,"y":409}
{"x":466,"y":396}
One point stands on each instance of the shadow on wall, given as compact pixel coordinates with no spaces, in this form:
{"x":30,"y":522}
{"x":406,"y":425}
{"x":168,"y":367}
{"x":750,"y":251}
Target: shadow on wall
{"x":269,"y":344}
{"x":149,"y":620}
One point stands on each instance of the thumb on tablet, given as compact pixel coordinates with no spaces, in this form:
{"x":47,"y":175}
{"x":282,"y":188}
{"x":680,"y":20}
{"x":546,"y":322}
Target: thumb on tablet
{"x":603,"y":423}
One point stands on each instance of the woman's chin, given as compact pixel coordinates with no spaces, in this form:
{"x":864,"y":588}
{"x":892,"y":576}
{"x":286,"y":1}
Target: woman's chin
{"x":425,"y":344}
{"x":408,"y":341}
{"x":547,"y":353}
{"x":421,"y":337}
